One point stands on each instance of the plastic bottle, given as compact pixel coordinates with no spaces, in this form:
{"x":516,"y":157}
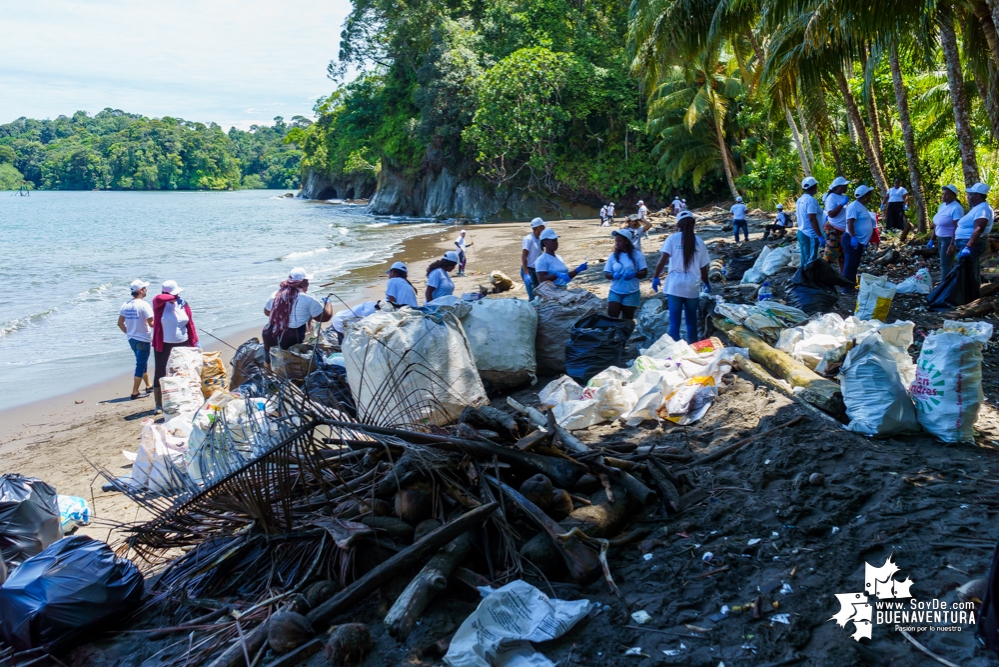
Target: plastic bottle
{"x":766,"y":294}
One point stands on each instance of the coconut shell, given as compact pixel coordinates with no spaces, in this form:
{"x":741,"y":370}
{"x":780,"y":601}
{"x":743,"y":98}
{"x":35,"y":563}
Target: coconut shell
{"x":538,"y":490}
{"x":288,"y":630}
{"x":320,"y":592}
{"x":561,"y":504}
{"x":414,"y":504}
{"x":348,"y":644}
{"x":425,"y":528}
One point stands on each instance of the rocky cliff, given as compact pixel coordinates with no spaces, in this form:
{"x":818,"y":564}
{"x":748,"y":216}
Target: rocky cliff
{"x":316,"y":185}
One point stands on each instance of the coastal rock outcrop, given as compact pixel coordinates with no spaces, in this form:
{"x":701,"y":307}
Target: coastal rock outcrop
{"x":317,"y":185}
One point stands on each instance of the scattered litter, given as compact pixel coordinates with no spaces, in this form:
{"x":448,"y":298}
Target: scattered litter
{"x":706,"y":558}
{"x":781,"y":618}
{"x":635,"y":650}
{"x":641,"y":617}
{"x":73,"y":512}
{"x":786,"y":589}
{"x":647,"y":556}
{"x":29,"y":517}
{"x":754,"y":541}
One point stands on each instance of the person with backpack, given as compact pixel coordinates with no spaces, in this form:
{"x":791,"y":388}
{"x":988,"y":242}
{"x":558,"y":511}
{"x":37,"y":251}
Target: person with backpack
{"x":624,"y":268}
{"x":687,"y":258}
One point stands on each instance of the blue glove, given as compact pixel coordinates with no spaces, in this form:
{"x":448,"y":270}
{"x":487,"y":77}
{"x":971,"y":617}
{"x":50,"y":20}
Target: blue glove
{"x":628,"y":275}
{"x":822,"y":242}
{"x":854,"y":241}
{"x":563,"y":276}
{"x":965,"y":252}
{"x":617,"y":275}
{"x":656,"y":284}
{"x":707,"y":287}
{"x":582,"y":267}
{"x":930,"y":244}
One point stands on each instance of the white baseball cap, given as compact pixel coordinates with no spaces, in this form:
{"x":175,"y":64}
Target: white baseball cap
{"x":171,"y":287}
{"x":808,"y":182}
{"x":398,"y":266}
{"x":684,"y":215}
{"x":548,"y":234}
{"x":780,"y":207}
{"x":612,"y":203}
{"x":952,"y":188}
{"x":537,"y":222}
{"x":739,"y":199}
{"x":861,"y":191}
{"x":838,"y":181}
{"x":137,"y":285}
{"x":640,"y":202}
{"x":979,"y":189}
{"x":298,"y":273}
{"x":626,"y":233}
{"x":463,"y":232}
{"x":451,"y":256}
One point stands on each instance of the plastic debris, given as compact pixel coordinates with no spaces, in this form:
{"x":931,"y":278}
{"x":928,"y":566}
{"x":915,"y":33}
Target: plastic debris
{"x":641,"y":617}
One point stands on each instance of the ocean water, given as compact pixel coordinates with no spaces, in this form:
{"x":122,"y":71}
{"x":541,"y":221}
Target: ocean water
{"x":67,"y":258}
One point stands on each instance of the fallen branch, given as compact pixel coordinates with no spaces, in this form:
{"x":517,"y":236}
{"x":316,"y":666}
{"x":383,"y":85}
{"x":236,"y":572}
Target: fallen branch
{"x":572,"y":442}
{"x":724,"y":451}
{"x":758,"y":372}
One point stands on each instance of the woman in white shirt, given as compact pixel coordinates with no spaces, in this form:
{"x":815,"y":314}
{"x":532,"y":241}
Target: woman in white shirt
{"x":289,"y":311}
{"x":688,"y":261}
{"x":859,"y":229}
{"x":944,"y":224}
{"x":550,"y":266}
{"x":461,"y":243}
{"x":835,"y":210}
{"x":173,"y":326}
{"x":625,"y":268}
{"x":895,"y":210}
{"x":439,"y":283}
{"x":399,"y":291}
{"x":135,"y":319}
{"x":971,"y":236}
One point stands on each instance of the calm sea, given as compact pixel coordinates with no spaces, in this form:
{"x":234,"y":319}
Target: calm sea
{"x":66,"y":259}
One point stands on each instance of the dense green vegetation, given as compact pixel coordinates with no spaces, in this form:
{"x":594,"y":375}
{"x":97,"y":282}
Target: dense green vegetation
{"x":710,"y":98}
{"x":121,"y":151}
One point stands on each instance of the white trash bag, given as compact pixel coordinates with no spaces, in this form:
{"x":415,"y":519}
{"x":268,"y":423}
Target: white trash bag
{"x":501,"y":333}
{"x":877,"y":402}
{"x":948,"y":385}
{"x":755,"y":273}
{"x":874,"y":298}
{"x":159,"y":463}
{"x":921,"y":283}
{"x":776,"y":260}
{"x":560,"y":390}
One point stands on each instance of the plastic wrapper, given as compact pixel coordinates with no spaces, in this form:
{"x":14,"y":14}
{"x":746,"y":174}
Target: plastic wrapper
{"x":29,"y":517}
{"x":73,"y":512}
{"x":69,"y":590}
{"x":560,"y":390}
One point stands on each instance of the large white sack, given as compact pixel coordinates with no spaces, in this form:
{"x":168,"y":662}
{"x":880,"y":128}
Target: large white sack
{"x":877,"y":402}
{"x":159,"y":463}
{"x":501,"y":333}
{"x":776,"y":260}
{"x":181,"y":394}
{"x":185,"y":361}
{"x":921,"y":283}
{"x":755,"y":273}
{"x":948,"y":385}
{"x":874,"y":298}
{"x":409,"y":368}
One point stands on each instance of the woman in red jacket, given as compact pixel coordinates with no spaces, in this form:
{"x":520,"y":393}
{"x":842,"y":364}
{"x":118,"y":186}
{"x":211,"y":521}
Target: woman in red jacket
{"x":173,"y":326}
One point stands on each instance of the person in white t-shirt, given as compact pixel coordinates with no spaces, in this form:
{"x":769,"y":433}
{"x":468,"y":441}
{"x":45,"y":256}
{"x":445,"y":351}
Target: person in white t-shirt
{"x":610,"y":214}
{"x":135,"y":319}
{"x":859,"y":229}
{"x":779,"y":226}
{"x":529,"y":253}
{"x":549,"y":265}
{"x":944,"y":225}
{"x":462,"y":243}
{"x":738,"y":212}
{"x":895,"y":209}
{"x":603,"y":215}
{"x":399,"y":291}
{"x":835,"y":203}
{"x":687,"y":258}
{"x":625,"y":268}
{"x":289,"y":311}
{"x":809,"y":214}
{"x":640,"y":226}
{"x":971,"y":238}
{"x":439,"y":283}
{"x":677,"y":205}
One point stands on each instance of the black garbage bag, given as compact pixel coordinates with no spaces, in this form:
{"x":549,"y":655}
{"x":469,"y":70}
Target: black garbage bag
{"x":737,"y":266}
{"x":248,"y":364}
{"x":813,"y":287}
{"x":73,"y":587}
{"x":958,"y":287}
{"x":328,"y":386}
{"x":595,"y":342}
{"x":29,"y":517}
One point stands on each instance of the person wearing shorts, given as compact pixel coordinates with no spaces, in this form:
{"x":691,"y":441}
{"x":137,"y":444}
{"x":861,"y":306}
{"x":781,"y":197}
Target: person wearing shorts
{"x":625,"y":268}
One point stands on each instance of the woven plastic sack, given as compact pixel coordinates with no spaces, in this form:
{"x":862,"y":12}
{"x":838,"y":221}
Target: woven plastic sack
{"x":874,"y":299}
{"x":213,"y":374}
{"x":181,"y":394}
{"x":501,"y":333}
{"x":159,"y":463}
{"x":29,"y":517}
{"x":558,"y":391}
{"x":185,"y":361}
{"x":558,"y":310}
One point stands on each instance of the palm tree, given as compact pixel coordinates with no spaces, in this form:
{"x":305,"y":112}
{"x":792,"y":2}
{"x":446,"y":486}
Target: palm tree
{"x":955,"y":77}
{"x":908,"y":137}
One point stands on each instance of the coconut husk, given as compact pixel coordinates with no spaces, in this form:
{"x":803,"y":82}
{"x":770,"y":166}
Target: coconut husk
{"x":348,"y":644}
{"x":288,"y":630}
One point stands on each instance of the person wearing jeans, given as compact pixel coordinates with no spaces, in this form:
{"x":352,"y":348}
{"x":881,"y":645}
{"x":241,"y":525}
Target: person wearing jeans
{"x":738,"y":212}
{"x":859,"y":228}
{"x":809,"y":213}
{"x":135,"y":319}
{"x":688,"y":260}
{"x":971,"y":235}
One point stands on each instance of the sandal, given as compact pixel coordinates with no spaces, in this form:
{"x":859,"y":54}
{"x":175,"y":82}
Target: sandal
{"x":134,"y":396}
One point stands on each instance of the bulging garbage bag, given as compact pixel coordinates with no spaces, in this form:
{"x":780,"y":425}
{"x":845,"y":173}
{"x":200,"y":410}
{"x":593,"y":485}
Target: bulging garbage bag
{"x":653,"y":318}
{"x":948,"y":385}
{"x":921,"y":283}
{"x":74,"y":586}
{"x":813,"y":287}
{"x":213,"y":374}
{"x":596,"y":342}
{"x":329,"y":387}
{"x":248,"y":364}
{"x":877,"y":402}
{"x":558,"y":310}
{"x":293,"y":364}
{"x":958,"y":287}
{"x":29,"y":517}
{"x":501,"y":333}
{"x":875,"y":297}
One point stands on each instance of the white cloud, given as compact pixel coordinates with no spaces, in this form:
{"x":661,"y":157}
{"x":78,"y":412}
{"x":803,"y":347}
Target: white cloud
{"x":206,"y":60}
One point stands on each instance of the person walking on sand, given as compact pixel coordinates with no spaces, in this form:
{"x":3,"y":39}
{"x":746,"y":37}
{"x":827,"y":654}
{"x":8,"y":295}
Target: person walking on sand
{"x":290,"y":309}
{"x":625,"y":268}
{"x":135,"y":319}
{"x":687,"y":258}
{"x":550,"y":266}
{"x":462,"y":243}
{"x":807,"y":209}
{"x":779,"y":226}
{"x":971,"y":238}
{"x":439,"y":283}
{"x":610,"y":214}
{"x":944,"y":224}
{"x":836,"y":201}
{"x":677,"y":205}
{"x":173,"y":326}
{"x":859,"y":229}
{"x":529,"y":253}
{"x":399,"y":291}
{"x":603,"y":215}
{"x":738,"y":212}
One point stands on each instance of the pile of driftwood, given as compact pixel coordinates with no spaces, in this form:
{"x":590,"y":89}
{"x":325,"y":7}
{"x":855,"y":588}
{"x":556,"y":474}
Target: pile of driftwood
{"x":273,"y":562}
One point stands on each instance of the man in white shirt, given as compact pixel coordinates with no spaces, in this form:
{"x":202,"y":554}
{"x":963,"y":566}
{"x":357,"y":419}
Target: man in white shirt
{"x":610,"y":213}
{"x":135,"y":319}
{"x":779,"y":226}
{"x":808,"y":211}
{"x":530,"y":251}
{"x":738,"y":212}
{"x":603,"y":215}
{"x":461,"y":242}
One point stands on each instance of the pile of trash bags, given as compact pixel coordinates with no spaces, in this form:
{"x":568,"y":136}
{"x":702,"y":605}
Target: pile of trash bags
{"x":770,"y":261}
{"x":766,"y":319}
{"x":558,"y":310}
{"x":822,"y":343}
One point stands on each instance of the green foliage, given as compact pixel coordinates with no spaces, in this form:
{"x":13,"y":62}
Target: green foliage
{"x":121,"y":151}
{"x":10,"y":178}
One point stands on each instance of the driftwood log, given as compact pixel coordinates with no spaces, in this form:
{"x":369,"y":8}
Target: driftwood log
{"x":431,"y":580}
{"x":574,"y":444}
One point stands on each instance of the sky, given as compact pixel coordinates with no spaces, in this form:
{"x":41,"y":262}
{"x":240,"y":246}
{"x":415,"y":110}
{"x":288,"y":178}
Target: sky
{"x":233,"y":63}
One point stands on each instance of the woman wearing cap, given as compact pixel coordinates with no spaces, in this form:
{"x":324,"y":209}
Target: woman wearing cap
{"x":173,"y":326}
{"x":836,"y":201}
{"x":738,"y":212}
{"x":399,"y":291}
{"x":550,"y":266}
{"x":529,"y":253}
{"x":859,"y":228}
{"x":971,"y":235}
{"x":944,"y":224}
{"x":624,"y":268}
{"x":779,"y":226}
{"x":289,"y":310}
{"x":439,"y":283}
{"x":688,"y":260}
{"x":640,"y":226}
{"x":135,"y":319}
{"x":895,"y":208}
{"x":809,"y":212}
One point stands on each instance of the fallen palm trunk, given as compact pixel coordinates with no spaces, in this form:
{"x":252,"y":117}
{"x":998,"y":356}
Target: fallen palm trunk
{"x":755,"y":370}
{"x":817,"y":390}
